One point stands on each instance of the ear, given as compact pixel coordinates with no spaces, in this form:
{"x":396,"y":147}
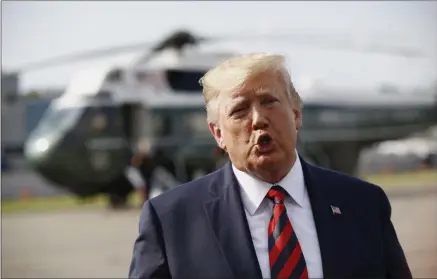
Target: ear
{"x":216,"y":132}
{"x":298,"y":118}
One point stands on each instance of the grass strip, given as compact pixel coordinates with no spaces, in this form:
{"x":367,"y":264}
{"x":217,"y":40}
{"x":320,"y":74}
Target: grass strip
{"x":389,"y":182}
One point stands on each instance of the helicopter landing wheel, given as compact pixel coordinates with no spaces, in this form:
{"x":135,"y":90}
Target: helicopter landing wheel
{"x":117,"y":201}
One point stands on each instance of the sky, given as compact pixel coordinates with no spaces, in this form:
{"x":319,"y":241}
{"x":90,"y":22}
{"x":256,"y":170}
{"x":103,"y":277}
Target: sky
{"x":37,"y":30}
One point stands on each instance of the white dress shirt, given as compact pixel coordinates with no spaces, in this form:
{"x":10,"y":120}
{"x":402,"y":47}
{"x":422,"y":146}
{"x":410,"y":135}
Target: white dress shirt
{"x":259,"y":210}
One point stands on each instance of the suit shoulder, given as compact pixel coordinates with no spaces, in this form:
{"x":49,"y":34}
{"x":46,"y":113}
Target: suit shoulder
{"x":349,"y":183}
{"x":185,"y":194}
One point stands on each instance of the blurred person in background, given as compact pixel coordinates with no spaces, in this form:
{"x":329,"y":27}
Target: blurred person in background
{"x":267,"y":213}
{"x":140,"y":171}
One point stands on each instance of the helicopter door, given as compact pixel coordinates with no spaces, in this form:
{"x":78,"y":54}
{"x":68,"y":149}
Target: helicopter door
{"x":127,"y":111}
{"x":135,"y":123}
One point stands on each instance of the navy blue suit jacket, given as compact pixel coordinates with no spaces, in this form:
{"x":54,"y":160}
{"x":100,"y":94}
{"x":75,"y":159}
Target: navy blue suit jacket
{"x":199,"y":230}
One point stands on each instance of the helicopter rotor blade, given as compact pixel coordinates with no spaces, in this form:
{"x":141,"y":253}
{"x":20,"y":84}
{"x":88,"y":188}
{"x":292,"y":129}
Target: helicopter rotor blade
{"x":326,"y":41}
{"x":180,"y":38}
{"x":86,"y":55}
{"x":176,"y":39}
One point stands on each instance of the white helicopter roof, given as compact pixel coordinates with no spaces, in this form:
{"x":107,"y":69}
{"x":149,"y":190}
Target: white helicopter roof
{"x":92,"y":81}
{"x":88,"y":81}
{"x":189,"y":58}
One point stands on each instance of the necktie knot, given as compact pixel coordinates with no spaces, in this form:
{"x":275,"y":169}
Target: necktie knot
{"x":277,"y":194}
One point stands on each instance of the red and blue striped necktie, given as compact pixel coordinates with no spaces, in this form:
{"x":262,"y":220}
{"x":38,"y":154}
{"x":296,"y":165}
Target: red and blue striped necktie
{"x":285,"y":254}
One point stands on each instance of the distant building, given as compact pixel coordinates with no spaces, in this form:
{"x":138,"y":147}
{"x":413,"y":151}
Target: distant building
{"x":10,"y":86}
{"x":20,"y":113}
{"x":19,"y":118}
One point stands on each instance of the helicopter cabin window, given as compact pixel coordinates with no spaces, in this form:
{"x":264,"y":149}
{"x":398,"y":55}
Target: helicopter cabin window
{"x":141,"y":76}
{"x":184,"y":80}
{"x":115,"y":75}
{"x":197,"y":125}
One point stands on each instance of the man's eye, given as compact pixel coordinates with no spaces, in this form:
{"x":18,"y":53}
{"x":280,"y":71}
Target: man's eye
{"x":237,"y":110}
{"x":269,"y":101}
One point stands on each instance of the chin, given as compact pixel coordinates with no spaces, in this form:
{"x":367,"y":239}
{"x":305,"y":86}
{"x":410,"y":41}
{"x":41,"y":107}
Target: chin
{"x":268,"y":160}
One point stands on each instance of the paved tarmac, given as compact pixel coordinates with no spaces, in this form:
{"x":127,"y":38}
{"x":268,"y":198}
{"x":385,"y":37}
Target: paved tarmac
{"x":16,"y":182}
{"x":21,"y":178}
{"x":98,"y":244}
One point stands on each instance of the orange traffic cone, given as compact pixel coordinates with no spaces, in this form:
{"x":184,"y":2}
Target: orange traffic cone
{"x":25,"y":194}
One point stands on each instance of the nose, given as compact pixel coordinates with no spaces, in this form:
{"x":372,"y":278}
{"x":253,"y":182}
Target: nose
{"x":259,"y":118}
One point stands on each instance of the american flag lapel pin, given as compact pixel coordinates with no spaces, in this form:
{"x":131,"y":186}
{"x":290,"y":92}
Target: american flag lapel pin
{"x":335,"y":210}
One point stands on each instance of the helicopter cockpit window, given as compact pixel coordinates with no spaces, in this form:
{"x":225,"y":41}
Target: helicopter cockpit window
{"x":184,"y":80}
{"x":58,"y":119}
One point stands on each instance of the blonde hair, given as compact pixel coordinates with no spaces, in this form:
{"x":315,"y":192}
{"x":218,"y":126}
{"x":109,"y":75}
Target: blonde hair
{"x":231,"y":74}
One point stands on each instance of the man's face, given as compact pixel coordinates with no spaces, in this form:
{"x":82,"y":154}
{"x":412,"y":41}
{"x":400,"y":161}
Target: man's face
{"x":258,"y":126}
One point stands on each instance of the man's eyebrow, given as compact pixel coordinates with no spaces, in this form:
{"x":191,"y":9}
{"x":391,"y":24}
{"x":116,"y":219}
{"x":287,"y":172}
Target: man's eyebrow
{"x":264,"y":90}
{"x":261,"y":90}
{"x":234,"y":103}
{"x":237,"y":102}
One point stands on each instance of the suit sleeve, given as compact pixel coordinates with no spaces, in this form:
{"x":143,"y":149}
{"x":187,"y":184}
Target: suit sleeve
{"x":395,"y":260}
{"x":149,"y":259}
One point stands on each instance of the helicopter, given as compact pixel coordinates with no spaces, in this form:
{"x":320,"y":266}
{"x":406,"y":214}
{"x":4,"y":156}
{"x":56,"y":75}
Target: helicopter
{"x":86,"y":138}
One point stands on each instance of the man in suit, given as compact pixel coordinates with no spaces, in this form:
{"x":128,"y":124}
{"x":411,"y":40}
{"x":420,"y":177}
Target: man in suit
{"x":267,"y":213}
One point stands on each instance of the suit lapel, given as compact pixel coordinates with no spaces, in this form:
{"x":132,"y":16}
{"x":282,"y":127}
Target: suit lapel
{"x":225,"y":212}
{"x":228,"y":221}
{"x":331,"y":229}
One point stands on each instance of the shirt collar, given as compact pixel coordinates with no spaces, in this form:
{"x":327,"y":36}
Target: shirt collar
{"x":255,"y":190}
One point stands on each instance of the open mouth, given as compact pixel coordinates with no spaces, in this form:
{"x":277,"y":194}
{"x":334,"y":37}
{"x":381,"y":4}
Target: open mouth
{"x":264,"y":140}
{"x":265,"y":144}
